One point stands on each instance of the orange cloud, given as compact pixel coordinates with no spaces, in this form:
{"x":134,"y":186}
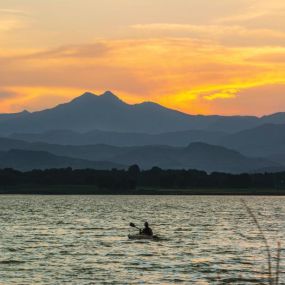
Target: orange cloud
{"x":257,"y":100}
{"x":193,"y":76}
{"x":233,"y":35}
{"x":223,"y":94}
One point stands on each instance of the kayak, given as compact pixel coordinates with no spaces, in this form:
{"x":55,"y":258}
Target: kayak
{"x":142,"y":237}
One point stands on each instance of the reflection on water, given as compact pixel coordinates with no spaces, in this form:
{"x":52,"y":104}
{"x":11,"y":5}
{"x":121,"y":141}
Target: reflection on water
{"x":83,"y":239}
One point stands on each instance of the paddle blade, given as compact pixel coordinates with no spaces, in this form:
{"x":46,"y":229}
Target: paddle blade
{"x":132,"y":225}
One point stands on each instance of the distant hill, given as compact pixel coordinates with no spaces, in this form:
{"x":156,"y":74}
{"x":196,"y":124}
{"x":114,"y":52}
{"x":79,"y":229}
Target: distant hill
{"x":265,"y":140}
{"x":278,"y":158}
{"x":28,"y":160}
{"x":4,"y":117}
{"x":199,"y":156}
{"x":235,"y":123}
{"x":277,"y":118}
{"x":108,"y":113}
{"x":66,"y":137}
{"x":195,"y":156}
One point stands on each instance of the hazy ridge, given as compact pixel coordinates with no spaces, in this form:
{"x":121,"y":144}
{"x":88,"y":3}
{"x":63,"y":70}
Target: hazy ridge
{"x":105,"y":132}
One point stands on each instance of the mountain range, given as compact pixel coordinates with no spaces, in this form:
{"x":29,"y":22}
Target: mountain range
{"x":107,"y":112}
{"x":29,"y":160}
{"x":103,"y":132}
{"x":64,"y":137}
{"x":25,"y":155}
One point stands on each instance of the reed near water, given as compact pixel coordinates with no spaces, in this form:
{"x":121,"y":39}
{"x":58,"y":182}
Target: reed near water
{"x":273,"y":274}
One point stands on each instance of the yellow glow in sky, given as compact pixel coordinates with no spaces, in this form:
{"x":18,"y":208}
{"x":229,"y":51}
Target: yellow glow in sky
{"x":208,"y":57}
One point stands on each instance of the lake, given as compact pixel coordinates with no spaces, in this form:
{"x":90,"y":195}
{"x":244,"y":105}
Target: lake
{"x":83,"y":239}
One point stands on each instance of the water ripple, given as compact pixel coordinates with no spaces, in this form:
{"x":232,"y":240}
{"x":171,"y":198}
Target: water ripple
{"x":83,"y":239}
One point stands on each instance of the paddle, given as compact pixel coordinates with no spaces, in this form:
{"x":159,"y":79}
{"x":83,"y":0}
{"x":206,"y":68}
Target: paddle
{"x":134,"y":226}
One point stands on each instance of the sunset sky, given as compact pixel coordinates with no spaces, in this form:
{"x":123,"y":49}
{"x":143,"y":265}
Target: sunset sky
{"x":198,"y":56}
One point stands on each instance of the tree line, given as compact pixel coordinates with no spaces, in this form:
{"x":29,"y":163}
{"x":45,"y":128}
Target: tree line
{"x":133,"y":178}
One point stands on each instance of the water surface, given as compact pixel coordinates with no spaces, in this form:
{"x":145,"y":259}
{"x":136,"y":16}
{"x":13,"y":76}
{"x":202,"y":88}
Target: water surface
{"x":83,"y":239}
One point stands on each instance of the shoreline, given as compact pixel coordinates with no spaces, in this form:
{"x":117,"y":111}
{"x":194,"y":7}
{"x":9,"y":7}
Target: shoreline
{"x":67,"y":190}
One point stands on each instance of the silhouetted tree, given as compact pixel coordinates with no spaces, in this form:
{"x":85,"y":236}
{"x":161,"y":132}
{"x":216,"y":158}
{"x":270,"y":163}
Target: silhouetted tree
{"x":122,"y":181}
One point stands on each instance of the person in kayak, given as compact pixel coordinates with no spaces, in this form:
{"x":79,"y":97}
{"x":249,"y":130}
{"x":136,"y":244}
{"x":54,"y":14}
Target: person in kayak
{"x":147,"y":230}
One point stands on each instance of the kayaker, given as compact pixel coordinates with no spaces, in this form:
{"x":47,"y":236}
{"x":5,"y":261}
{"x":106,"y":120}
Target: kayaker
{"x":147,"y":230}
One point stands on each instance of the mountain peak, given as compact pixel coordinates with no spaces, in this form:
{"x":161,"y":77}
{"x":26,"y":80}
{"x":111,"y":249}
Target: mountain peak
{"x":109,"y":96}
{"x":89,"y":100}
{"x":108,"y":93}
{"x":85,"y":96}
{"x":91,"y":96}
